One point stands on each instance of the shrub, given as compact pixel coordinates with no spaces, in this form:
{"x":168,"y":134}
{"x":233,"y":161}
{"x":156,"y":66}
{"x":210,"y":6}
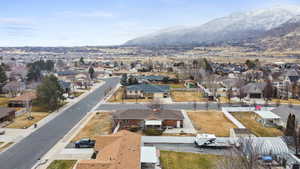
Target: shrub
{"x":134,"y":128}
{"x":153,"y":132}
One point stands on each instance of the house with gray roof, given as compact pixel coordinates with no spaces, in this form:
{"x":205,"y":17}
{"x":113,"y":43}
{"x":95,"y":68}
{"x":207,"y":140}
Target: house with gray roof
{"x":149,"y":91}
{"x":254,"y":90}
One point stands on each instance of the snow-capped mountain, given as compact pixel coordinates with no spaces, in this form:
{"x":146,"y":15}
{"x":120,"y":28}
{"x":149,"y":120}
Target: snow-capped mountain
{"x":233,"y":28}
{"x":284,"y":37}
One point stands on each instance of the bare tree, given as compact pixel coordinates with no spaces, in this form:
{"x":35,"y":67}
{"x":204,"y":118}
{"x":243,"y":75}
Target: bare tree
{"x":245,"y":156}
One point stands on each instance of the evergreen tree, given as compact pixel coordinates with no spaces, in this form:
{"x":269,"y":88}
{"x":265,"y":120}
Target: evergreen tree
{"x":91,"y":72}
{"x":124,"y":79}
{"x":3,"y":77}
{"x":81,"y":61}
{"x":268,"y":90}
{"x":50,"y":93}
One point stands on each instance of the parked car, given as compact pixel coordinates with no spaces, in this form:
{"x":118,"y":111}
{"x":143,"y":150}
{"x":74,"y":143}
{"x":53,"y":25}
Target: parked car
{"x":85,"y":143}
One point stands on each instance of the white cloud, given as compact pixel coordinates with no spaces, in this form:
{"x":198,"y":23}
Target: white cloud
{"x":15,"y":21}
{"x":91,"y":14}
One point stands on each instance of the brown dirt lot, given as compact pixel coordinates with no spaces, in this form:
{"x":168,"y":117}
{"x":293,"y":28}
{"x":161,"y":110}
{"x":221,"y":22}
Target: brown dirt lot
{"x":213,"y":122}
{"x":187,"y":96}
{"x":100,"y":124}
{"x":22,"y":121}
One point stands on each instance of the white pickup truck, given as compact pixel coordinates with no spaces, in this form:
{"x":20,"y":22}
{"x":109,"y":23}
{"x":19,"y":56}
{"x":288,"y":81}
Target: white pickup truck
{"x":210,"y":140}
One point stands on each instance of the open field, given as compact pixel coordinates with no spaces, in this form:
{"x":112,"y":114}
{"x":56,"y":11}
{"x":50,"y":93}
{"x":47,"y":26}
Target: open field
{"x":180,"y":160}
{"x":247,"y":119}
{"x":187,"y":96}
{"x":2,"y":148}
{"x":100,"y":124}
{"x":117,"y":98}
{"x":62,"y":164}
{"x":22,"y":121}
{"x":213,"y":122}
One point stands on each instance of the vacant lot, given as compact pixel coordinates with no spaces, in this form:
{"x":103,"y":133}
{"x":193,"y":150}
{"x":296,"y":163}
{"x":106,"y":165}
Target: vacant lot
{"x":100,"y":124}
{"x":247,"y":119}
{"x":23,"y":122}
{"x":62,"y":164}
{"x":117,"y":98}
{"x":187,"y":96}
{"x":213,"y":122}
{"x":180,"y":160}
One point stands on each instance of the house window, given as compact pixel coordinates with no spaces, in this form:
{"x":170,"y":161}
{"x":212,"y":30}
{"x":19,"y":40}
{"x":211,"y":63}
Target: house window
{"x":136,"y":91}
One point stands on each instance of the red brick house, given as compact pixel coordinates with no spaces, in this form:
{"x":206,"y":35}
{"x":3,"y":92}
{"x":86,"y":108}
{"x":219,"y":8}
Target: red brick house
{"x":148,"y":118}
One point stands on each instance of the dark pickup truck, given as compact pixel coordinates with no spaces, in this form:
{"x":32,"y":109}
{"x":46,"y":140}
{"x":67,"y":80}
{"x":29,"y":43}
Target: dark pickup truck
{"x":85,"y":143}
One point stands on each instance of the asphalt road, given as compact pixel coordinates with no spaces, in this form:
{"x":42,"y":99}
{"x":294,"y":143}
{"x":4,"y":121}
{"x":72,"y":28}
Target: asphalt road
{"x":176,"y":106}
{"x":27,"y":152}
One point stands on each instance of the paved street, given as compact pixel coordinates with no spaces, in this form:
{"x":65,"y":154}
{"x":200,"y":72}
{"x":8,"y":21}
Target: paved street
{"x":26,"y":153}
{"x":175,"y":106}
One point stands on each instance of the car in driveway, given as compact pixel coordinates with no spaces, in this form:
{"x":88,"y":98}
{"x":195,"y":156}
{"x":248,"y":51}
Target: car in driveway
{"x":85,"y":143}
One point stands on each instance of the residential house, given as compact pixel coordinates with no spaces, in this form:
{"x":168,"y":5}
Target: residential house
{"x":122,"y":150}
{"x":6,"y":114}
{"x":66,"y":86}
{"x":253,"y":91}
{"x":22,"y":100}
{"x":148,"y":118}
{"x":147,"y":91}
{"x":267,"y":118}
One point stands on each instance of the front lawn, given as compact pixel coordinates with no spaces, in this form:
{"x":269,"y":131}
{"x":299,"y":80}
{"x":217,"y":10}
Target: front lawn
{"x":77,"y":94}
{"x":212,"y":122}
{"x":100,"y":124}
{"x":22,"y":121}
{"x":176,"y":85}
{"x":247,"y":119}
{"x":187,"y":96}
{"x":4,"y":147}
{"x":62,"y":164}
{"x":180,"y":160}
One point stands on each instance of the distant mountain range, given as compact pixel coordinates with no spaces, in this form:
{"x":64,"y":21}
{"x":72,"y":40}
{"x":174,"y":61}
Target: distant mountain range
{"x":277,"y":28}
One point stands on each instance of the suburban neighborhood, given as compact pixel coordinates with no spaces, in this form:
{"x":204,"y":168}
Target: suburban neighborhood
{"x":163,"y":84}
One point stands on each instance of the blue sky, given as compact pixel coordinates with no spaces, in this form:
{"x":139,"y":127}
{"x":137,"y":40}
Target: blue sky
{"x":107,"y":22}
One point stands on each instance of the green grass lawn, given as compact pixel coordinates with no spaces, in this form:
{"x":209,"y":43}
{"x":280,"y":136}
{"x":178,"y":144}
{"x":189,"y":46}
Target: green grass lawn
{"x":62,"y":164}
{"x":180,"y":160}
{"x":176,"y":85}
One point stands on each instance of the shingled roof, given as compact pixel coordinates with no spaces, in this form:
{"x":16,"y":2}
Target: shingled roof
{"x":117,"y":151}
{"x":148,"y":114}
{"x":149,"y":88}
